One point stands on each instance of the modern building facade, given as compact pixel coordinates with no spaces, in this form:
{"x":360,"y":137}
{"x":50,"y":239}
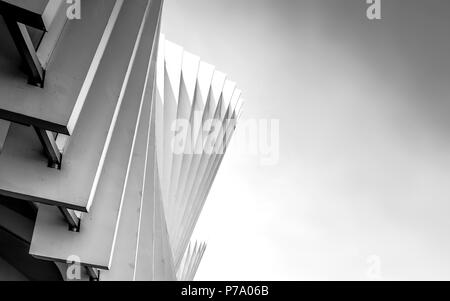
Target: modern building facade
{"x":110,"y":140}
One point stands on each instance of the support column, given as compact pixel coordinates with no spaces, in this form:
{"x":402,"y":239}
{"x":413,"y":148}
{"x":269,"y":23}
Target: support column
{"x":25,"y":46}
{"x":51,"y":149}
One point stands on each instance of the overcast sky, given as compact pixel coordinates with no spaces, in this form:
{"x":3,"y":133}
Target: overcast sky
{"x":364,"y":167}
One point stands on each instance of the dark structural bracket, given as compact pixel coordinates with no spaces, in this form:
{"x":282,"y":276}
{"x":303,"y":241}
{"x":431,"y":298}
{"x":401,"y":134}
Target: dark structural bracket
{"x":24,"y":44}
{"x":22,"y":15}
{"x":71,"y":218}
{"x":94,"y":274}
{"x":51,"y":150}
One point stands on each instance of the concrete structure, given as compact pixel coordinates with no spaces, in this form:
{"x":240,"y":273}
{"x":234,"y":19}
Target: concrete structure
{"x":110,"y":140}
{"x":191,"y":261}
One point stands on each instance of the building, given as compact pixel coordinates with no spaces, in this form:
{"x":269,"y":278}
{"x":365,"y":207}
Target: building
{"x":110,"y":140}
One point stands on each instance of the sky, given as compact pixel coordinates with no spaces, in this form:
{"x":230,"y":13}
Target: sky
{"x":360,"y":187}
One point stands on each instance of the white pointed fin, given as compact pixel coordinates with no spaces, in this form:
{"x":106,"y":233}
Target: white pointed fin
{"x":227,"y":95}
{"x":190,"y":71}
{"x":238,"y":109}
{"x":217,"y":88}
{"x":173,"y":54}
{"x":204,"y":81}
{"x":173,"y":57}
{"x":235,"y":100}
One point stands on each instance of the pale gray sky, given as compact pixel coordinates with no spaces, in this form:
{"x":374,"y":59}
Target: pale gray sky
{"x":364,"y":112}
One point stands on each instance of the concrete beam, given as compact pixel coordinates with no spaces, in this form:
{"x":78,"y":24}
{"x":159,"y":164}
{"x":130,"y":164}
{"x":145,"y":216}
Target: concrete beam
{"x":98,"y":236}
{"x":75,"y":71}
{"x":144,"y":253}
{"x":123,"y":265}
{"x":173,"y":57}
{"x":4,"y":129}
{"x":29,"y":178}
{"x":163,"y":264}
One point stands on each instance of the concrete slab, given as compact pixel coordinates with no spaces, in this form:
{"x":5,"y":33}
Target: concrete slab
{"x":4,"y":129}
{"x":163,"y":264}
{"x":69,"y":74}
{"x":123,"y":265}
{"x":94,"y":244}
{"x":153,"y":258}
{"x":144,"y":253}
{"x":14,"y":250}
{"x":16,"y":223}
{"x":28,"y":178}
